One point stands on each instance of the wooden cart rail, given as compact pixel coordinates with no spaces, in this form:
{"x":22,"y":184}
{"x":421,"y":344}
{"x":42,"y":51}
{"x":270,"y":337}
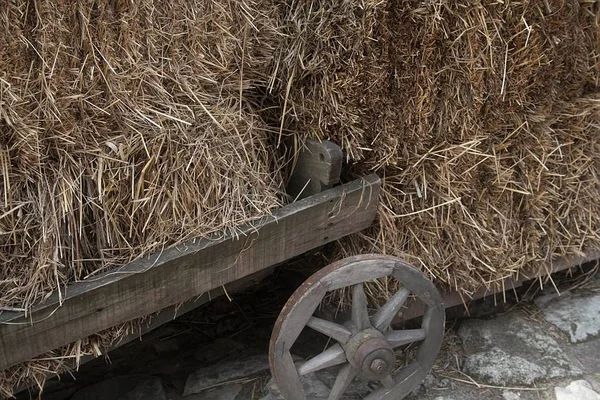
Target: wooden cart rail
{"x":177,"y":274}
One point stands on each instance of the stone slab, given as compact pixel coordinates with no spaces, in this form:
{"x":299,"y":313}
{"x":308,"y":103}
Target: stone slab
{"x":497,"y":367}
{"x":313,"y":388}
{"x":208,"y":377}
{"x":512,"y":351}
{"x":577,"y":316}
{"x":576,"y":390}
{"x":225,"y":392}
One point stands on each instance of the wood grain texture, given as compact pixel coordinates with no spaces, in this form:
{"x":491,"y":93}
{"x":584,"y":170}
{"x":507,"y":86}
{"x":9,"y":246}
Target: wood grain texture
{"x":317,"y":168}
{"x":166,"y":315}
{"x":177,"y":274}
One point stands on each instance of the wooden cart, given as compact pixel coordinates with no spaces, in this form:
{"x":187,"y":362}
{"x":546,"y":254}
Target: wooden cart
{"x":166,"y":282}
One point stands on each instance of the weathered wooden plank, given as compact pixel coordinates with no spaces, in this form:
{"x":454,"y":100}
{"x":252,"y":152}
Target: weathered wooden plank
{"x":177,"y":274}
{"x":168,"y":314}
{"x":317,"y":168}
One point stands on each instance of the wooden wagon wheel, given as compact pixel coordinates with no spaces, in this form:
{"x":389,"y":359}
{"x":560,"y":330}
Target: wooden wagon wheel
{"x":365,"y":344}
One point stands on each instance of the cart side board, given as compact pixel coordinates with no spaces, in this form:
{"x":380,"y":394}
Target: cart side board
{"x":178,"y":274}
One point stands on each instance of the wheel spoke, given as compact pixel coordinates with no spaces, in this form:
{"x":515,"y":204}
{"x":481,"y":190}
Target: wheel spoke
{"x":384,"y":316}
{"x":388,"y":382}
{"x":406,"y":381}
{"x":332,"y":356}
{"x":407,"y":372}
{"x":344,"y":378}
{"x":331,"y":329}
{"x":360,"y":314}
{"x":399,"y":338}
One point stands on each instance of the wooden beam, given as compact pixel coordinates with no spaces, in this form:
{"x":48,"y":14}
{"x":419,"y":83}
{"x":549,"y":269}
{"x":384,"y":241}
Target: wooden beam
{"x":164,"y":316}
{"x":180,"y":273}
{"x":317,"y":168}
{"x":168,"y":314}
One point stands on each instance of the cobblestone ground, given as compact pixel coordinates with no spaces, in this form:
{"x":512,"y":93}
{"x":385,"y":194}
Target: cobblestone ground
{"x":545,"y":347}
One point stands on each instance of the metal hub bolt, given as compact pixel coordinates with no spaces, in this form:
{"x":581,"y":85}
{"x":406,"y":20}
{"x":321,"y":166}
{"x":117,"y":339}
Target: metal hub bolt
{"x":378,"y":366}
{"x":370,"y":354}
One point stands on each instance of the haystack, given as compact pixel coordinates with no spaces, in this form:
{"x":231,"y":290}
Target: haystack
{"x":126,"y":127}
{"x":482,"y":118}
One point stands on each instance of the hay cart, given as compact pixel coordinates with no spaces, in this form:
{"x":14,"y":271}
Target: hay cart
{"x":324,"y":212}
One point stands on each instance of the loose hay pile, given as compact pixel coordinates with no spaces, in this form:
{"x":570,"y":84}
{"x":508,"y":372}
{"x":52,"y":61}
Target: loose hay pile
{"x":126,"y":127}
{"x":483,"y":119}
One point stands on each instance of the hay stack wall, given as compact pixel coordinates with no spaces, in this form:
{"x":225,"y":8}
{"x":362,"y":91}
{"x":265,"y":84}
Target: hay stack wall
{"x":482,"y":118}
{"x":124,"y":128}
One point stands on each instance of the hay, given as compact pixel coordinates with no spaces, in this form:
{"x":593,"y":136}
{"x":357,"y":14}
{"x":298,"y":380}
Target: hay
{"x":117,"y":142}
{"x":128,"y":127}
{"x":33,"y":373}
{"x":124,"y":128}
{"x":482,"y":119}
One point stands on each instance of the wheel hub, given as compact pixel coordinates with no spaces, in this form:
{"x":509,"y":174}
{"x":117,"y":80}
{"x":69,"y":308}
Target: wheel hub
{"x":370,"y":354}
{"x":378,"y":366}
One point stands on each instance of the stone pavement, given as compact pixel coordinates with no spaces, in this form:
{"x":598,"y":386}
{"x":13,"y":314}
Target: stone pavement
{"x":550,"y":350}
{"x":545,"y":349}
